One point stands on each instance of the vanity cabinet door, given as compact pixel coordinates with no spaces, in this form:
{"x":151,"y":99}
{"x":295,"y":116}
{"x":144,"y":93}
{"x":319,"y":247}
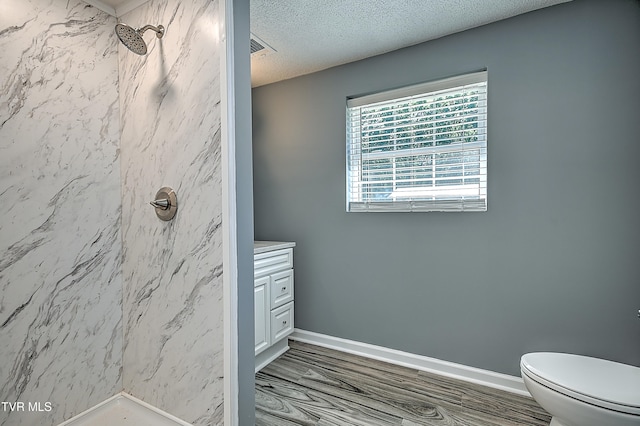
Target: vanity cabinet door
{"x":262,"y":313}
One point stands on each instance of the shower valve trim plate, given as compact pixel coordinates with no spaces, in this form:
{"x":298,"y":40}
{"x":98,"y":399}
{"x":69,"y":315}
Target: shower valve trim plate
{"x":165,"y":203}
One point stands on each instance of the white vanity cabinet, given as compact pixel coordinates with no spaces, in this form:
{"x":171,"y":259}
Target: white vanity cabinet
{"x":273,"y":299}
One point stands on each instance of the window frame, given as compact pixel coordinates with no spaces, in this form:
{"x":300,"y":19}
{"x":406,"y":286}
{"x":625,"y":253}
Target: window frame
{"x":460,"y":197}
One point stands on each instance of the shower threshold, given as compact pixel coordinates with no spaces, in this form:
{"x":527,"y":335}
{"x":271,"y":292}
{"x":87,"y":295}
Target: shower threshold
{"x":124,"y":410}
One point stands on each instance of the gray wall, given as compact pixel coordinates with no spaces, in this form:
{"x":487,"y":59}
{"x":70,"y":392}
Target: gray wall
{"x":244,"y":210}
{"x":552,"y":265}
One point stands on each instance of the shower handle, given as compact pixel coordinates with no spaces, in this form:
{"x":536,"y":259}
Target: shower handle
{"x":165,"y":203}
{"x":162,"y":203}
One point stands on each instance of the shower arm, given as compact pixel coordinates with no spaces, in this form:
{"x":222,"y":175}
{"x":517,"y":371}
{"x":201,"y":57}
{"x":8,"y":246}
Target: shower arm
{"x":159,"y":30}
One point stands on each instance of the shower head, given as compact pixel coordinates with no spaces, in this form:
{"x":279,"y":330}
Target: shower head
{"x":132,"y":38}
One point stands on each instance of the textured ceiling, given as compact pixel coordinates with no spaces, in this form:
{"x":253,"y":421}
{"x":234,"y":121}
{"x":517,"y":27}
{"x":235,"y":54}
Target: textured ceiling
{"x":311,"y":35}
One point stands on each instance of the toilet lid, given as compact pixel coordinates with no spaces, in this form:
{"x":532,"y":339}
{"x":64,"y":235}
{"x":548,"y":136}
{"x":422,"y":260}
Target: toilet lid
{"x":597,"y":381}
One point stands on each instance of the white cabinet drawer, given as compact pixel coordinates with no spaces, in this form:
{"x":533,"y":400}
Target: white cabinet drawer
{"x":281,"y":288}
{"x":281,"y":322}
{"x":273,"y":261}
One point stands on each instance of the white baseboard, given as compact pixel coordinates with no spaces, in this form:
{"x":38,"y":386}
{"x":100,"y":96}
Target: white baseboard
{"x":267,"y":356}
{"x":137,"y":411}
{"x":479,"y":376}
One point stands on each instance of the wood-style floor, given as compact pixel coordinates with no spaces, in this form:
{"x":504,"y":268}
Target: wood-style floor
{"x":311,"y":385}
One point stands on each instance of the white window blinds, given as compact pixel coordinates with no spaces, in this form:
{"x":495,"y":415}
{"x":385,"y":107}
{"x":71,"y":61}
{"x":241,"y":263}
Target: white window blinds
{"x":419,"y":148}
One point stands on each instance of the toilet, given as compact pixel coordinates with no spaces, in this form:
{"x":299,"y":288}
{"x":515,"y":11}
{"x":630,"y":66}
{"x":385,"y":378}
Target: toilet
{"x":582,"y":391}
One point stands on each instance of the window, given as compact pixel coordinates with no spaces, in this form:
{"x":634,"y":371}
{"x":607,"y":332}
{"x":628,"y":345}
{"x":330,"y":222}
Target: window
{"x":419,"y":148}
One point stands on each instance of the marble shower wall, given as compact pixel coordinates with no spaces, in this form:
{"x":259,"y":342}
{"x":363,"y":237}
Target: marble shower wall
{"x":60,"y":245}
{"x":172,"y":271}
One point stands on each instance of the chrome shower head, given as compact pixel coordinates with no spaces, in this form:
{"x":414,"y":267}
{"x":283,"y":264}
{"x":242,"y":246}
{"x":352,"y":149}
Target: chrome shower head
{"x":132,"y":38}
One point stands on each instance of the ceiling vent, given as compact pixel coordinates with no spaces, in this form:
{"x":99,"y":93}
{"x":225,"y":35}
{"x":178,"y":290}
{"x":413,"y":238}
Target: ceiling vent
{"x":255,"y":46}
{"x":259,"y":47}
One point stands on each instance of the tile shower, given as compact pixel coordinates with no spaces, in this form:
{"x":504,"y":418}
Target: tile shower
{"x":98,"y":295}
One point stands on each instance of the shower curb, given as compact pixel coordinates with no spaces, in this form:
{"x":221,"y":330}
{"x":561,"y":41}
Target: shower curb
{"x":140,"y":408}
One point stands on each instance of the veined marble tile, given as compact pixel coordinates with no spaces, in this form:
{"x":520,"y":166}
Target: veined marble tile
{"x":60,"y":245}
{"x":173,"y":307}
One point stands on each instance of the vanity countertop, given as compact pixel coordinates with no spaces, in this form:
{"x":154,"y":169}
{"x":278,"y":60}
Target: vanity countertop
{"x":265,"y":246}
